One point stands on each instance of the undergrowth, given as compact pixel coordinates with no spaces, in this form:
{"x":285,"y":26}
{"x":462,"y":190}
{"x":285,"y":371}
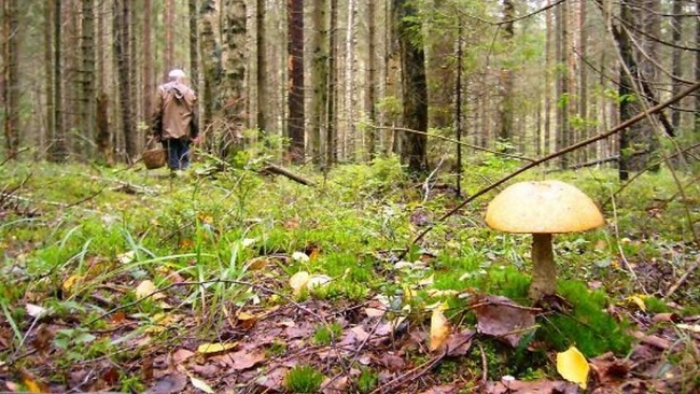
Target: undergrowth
{"x":101,"y":229}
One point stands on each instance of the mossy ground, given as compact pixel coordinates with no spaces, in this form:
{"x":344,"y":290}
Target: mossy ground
{"x":77,"y":240}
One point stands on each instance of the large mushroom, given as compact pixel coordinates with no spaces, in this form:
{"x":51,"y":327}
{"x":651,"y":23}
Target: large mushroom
{"x":542,"y":209}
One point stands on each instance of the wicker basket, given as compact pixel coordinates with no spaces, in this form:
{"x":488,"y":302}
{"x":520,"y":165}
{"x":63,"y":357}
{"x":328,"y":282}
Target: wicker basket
{"x":154,"y":157}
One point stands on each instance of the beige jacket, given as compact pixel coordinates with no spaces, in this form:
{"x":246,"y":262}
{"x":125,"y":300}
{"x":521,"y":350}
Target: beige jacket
{"x":175,"y":113}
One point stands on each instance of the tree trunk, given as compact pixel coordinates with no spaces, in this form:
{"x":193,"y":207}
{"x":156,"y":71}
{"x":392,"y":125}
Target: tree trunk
{"x":583,"y":79}
{"x":543,"y":147}
{"x":413,"y":83}
{"x":261,"y":77}
{"x":148,"y":85}
{"x":234,"y":37}
{"x":169,"y":26}
{"x":505,"y":108}
{"x":676,"y":57}
{"x":625,"y":89}
{"x":371,"y":78}
{"x":349,"y":134}
{"x":48,"y":69}
{"x":88,"y":94}
{"x":59,"y":145}
{"x":697,"y":72}
{"x":563,"y":129}
{"x":295,"y":101}
{"x":121,"y":52}
{"x":319,"y":79}
{"x":331,"y":129}
{"x":11,"y":89}
{"x":211,"y":64}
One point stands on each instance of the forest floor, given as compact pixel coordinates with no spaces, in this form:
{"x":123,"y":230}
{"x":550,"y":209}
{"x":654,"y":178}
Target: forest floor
{"x":238,"y":281}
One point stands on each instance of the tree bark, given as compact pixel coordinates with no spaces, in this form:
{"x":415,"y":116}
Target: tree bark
{"x":261,"y":76}
{"x":234,"y":37}
{"x":319,"y":79}
{"x":563,"y":127}
{"x":371,"y":77}
{"x":148,"y":73}
{"x":697,"y":72}
{"x":349,"y":134}
{"x":59,"y":145}
{"x":88,"y":94}
{"x":11,"y":89}
{"x":169,"y":26}
{"x":505,"y":107}
{"x":413,"y":83}
{"x":121,"y":52}
{"x":331,"y":129}
{"x":295,"y":100}
{"x":676,"y":56}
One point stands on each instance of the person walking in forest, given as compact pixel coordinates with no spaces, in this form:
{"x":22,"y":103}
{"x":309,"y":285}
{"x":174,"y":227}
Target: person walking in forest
{"x":175,"y":120}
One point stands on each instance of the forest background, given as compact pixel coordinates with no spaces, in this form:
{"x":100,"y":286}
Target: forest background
{"x":345,"y":81}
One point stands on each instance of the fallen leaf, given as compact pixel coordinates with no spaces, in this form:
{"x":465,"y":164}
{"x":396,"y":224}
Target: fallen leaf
{"x":459,"y":343}
{"x":689,"y":327}
{"x":300,"y":256}
{"x":213,"y":348}
{"x":439,"y":329}
{"x":69,"y":283}
{"x":126,"y":257}
{"x":181,"y":355}
{"x":573,"y":366}
{"x":258,"y":263}
{"x":247,"y":359}
{"x":246,"y":320}
{"x":504,"y":319}
{"x":146,"y":288}
{"x":35,"y":311}
{"x":201,"y":385}
{"x":638,"y":300}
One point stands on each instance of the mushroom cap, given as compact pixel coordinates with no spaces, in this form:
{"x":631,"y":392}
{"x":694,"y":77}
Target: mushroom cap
{"x":543,"y":207}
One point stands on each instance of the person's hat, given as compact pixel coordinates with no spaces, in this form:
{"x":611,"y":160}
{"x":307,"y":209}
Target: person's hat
{"x":176,"y":73}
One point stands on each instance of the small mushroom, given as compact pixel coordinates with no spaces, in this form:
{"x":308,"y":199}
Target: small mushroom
{"x":542,"y":209}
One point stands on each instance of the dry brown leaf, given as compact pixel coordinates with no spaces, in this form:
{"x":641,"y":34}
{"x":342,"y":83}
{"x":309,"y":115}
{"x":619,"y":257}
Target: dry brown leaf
{"x":504,"y":319}
{"x":247,"y":359}
{"x":181,"y":355}
{"x":168,"y":384}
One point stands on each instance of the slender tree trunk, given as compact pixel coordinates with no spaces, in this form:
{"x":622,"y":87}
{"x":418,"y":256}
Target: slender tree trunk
{"x":319,"y":76}
{"x":295,"y":51}
{"x":48,"y":69}
{"x":148,"y":73}
{"x":458,"y":105}
{"x":505,"y":108}
{"x":11,"y":89}
{"x":121,"y":52}
{"x":563,"y":129}
{"x":349,"y":134}
{"x":169,"y":27}
{"x":88,"y":94}
{"x":625,"y":90}
{"x":261,"y":77}
{"x":676,"y":56}
{"x":211,"y":65}
{"x":59,"y":146}
{"x":544,"y":145}
{"x":331,"y":129}
{"x":583,"y":78}
{"x":371,"y":77}
{"x":697,"y":72}
{"x":414,"y":85}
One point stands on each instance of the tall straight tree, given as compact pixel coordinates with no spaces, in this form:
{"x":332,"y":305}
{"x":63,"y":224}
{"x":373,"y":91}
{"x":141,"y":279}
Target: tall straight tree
{"x":295,"y":101}
{"x":59,"y":143}
{"x":413,"y":83}
{"x":10,"y":79}
{"x":697,"y":72}
{"x":349,"y":135}
{"x":505,"y":108}
{"x":319,"y":78}
{"x":169,"y":27}
{"x":234,"y":37}
{"x":626,"y":88}
{"x":147,"y":61}
{"x":676,"y":56}
{"x":88,"y":95}
{"x":371,"y":77}
{"x":122,"y":14}
{"x":331,"y":129}
{"x":562,"y":97}
{"x":261,"y":76}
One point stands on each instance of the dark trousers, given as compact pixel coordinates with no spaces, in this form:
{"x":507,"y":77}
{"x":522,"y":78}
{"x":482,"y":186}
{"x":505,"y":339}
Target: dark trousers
{"x":178,"y":153}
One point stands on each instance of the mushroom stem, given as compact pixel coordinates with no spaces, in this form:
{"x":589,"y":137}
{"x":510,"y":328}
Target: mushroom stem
{"x":544,"y":271}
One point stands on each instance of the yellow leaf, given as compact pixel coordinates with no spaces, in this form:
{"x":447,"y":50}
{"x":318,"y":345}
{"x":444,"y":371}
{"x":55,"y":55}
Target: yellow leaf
{"x":639,"y":301}
{"x":298,"y":281}
{"x":258,"y":263}
{"x":427,"y":281}
{"x":573,"y":366}
{"x":209,"y":348}
{"x":439,"y":329}
{"x":146,"y":288}
{"x":71,"y":282}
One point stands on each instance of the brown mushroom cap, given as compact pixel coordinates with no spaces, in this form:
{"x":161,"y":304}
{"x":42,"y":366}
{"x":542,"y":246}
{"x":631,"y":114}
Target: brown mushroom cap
{"x":543,"y":207}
